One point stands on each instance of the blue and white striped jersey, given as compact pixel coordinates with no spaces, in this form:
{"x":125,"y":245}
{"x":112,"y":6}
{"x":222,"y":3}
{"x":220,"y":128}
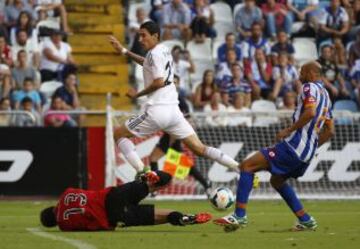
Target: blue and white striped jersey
{"x":304,"y":141}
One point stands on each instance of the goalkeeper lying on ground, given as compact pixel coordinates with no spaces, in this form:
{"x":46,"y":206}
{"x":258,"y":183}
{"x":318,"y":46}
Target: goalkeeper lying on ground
{"x":83,"y":210}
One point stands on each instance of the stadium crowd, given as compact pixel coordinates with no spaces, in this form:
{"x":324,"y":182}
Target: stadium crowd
{"x":32,"y":57}
{"x":229,"y":54}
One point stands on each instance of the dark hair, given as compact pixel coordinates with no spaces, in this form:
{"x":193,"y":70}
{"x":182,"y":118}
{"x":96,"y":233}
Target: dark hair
{"x":176,"y":47}
{"x":255,"y":24}
{"x":28,"y":79}
{"x":21,"y":51}
{"x":21,"y":30}
{"x":325,"y":46}
{"x":176,"y":77}
{"x":2,"y":100}
{"x":281,"y":31}
{"x":229,"y":34}
{"x":152,"y":28}
{"x":47,"y":217}
{"x":235,"y":65}
{"x":28,"y":29}
{"x":26,"y":100}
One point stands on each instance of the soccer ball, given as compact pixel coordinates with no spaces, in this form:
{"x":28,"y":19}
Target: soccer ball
{"x":222,"y":198}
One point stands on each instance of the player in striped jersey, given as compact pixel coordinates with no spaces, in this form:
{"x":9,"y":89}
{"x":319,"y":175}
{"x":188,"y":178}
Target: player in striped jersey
{"x":289,"y":158}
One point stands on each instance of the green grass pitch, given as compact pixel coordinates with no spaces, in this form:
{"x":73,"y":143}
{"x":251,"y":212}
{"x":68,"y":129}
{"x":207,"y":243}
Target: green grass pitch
{"x":268,"y":228}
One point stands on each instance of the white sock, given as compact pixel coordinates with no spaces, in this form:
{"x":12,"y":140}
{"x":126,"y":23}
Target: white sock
{"x":128,"y":149}
{"x":218,"y":156}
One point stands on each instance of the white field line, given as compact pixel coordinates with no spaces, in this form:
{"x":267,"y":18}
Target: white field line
{"x":76,"y":243}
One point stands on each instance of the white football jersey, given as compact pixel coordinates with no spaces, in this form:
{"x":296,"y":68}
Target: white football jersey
{"x":159,"y":64}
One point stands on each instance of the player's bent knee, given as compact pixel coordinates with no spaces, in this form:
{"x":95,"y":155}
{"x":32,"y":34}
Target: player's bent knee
{"x":276,"y":182}
{"x":246,"y":166}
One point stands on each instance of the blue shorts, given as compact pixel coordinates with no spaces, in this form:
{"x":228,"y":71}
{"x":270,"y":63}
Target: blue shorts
{"x":284,"y":161}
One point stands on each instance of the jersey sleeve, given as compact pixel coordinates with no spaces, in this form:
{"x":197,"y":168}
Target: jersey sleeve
{"x":308,"y":95}
{"x":158,"y":65}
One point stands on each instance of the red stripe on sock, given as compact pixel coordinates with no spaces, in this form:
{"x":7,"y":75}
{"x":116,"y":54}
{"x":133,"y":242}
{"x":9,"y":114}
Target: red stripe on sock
{"x":241,"y":205}
{"x":300,"y":213}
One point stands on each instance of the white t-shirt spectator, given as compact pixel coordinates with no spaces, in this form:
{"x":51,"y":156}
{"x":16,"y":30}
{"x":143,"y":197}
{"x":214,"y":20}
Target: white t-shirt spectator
{"x":63,"y":52}
{"x":30,"y":48}
{"x":182,"y":70}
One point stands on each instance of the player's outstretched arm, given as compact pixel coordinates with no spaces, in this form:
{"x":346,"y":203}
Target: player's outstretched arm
{"x":305,"y":118}
{"x":327,"y":132}
{"x":123,"y":51}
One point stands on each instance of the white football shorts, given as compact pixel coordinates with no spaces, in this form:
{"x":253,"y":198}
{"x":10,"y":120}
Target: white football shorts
{"x":167,"y":118}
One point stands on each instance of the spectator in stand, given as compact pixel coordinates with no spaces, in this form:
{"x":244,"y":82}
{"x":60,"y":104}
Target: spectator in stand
{"x":203,"y":21}
{"x":23,"y":120}
{"x":55,"y":8}
{"x":5,"y":80}
{"x":277,"y":17}
{"x":22,"y":70}
{"x":3,"y":29}
{"x":289,"y":101}
{"x":216,"y":118}
{"x":176,"y":21}
{"x":236,"y":87}
{"x":282,"y":46}
{"x":24,"y":22}
{"x":28,"y":90}
{"x":68,"y":93}
{"x":56,"y":55}
{"x":305,"y":11}
{"x":205,"y":90}
{"x":27,"y":44}
{"x":230,"y":43}
{"x":141,"y":17}
{"x":355,"y":20}
{"x":246,"y":16}
{"x":334,"y":23}
{"x":57,"y":119}
{"x":354,"y":51}
{"x":5,"y":52}
{"x":256,"y":41}
{"x":5,"y":105}
{"x":355,"y":79}
{"x":333,"y":80}
{"x":285,"y":77}
{"x":183,"y":65}
{"x":224,"y":68}
{"x":13,"y":10}
{"x":157,"y":7}
{"x":259,"y":72}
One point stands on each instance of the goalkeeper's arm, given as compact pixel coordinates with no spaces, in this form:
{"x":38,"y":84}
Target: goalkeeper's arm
{"x":327,"y":132}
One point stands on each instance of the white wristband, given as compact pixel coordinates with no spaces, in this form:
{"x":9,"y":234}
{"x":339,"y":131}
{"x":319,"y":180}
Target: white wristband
{"x":124,"y":50}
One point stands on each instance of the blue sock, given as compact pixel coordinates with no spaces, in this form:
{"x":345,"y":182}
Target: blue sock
{"x":245,"y":185}
{"x":288,"y":194}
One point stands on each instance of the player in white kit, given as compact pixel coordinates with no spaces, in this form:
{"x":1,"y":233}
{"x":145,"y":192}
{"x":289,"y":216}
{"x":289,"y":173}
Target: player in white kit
{"x":161,"y":111}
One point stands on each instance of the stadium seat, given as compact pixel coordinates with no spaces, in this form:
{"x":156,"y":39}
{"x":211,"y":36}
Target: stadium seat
{"x":297,"y":26}
{"x":236,"y":8}
{"x":216,"y":45}
{"x":264,"y":106}
{"x":49,"y":87}
{"x":345,"y":105}
{"x":200,"y":51}
{"x":305,"y":50}
{"x":222,"y":12}
{"x":222,"y":28}
{"x":171,"y":43}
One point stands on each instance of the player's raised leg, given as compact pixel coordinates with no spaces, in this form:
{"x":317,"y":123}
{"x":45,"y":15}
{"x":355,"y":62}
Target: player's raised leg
{"x":127,"y":147}
{"x":238,"y":219}
{"x":196,"y":146}
{"x":305,"y":221}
